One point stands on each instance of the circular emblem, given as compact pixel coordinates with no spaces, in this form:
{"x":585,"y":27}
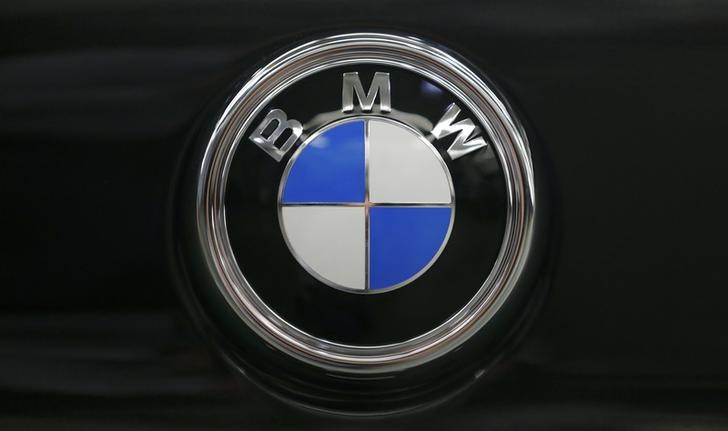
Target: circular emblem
{"x":364,"y":204}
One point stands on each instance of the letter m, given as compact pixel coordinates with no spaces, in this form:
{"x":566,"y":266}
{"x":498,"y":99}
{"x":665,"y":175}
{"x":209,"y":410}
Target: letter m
{"x":352,"y":85}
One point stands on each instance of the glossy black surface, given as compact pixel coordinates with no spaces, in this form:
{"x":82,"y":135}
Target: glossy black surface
{"x":626,"y":100}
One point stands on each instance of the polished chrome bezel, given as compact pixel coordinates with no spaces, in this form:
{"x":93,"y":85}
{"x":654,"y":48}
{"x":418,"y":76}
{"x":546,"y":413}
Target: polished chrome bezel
{"x":433,"y":63}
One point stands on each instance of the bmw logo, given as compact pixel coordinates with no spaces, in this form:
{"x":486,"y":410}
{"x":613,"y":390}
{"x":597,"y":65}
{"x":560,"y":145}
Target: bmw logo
{"x":357,"y":221}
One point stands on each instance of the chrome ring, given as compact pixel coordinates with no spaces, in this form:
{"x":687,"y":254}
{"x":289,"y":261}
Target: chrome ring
{"x":411,"y":54}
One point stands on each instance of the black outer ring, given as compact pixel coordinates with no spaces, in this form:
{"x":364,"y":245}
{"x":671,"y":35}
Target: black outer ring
{"x":309,"y":387}
{"x":252,"y":219}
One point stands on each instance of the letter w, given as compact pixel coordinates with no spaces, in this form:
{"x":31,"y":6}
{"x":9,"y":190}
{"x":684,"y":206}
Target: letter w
{"x":465,"y":128}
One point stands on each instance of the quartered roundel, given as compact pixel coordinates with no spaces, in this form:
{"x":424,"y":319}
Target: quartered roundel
{"x":364,"y":204}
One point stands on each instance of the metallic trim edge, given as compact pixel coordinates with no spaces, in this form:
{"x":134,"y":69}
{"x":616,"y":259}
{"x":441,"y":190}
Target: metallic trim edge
{"x":436,"y":64}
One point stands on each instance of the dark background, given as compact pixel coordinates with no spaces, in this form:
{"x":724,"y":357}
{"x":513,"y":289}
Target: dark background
{"x":627,"y":100}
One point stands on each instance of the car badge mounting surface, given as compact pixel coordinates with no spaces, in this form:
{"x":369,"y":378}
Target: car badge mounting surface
{"x":365,"y":203}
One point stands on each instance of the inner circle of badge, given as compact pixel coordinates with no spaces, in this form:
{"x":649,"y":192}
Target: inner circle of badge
{"x":364,"y":204}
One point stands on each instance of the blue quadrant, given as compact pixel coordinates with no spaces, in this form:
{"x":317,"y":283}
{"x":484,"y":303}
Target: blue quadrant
{"x":330,"y":168}
{"x":402,"y":241}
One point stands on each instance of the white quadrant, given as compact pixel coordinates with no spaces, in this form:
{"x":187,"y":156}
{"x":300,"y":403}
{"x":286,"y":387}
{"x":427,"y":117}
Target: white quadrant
{"x":403,"y":168}
{"x":330,"y":240}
